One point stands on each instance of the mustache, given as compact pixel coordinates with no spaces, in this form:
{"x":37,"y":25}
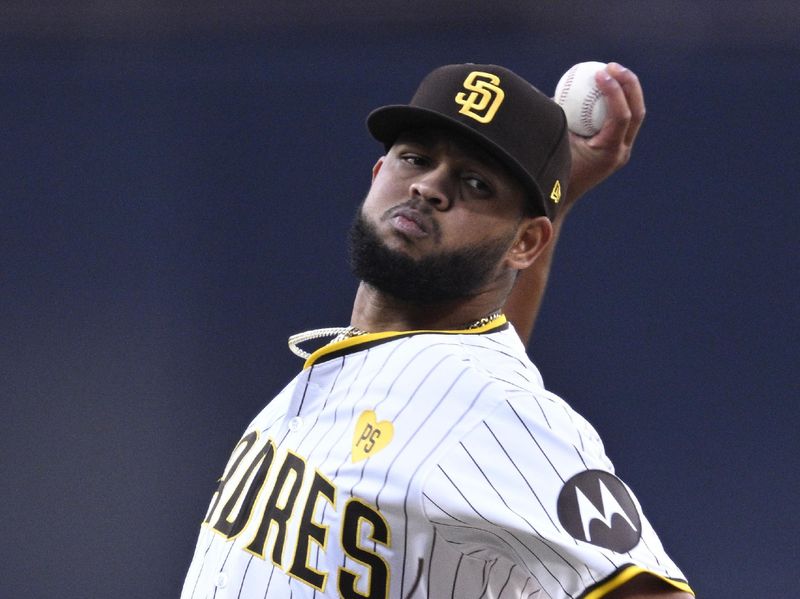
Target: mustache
{"x":419,"y":211}
{"x":411,"y":204}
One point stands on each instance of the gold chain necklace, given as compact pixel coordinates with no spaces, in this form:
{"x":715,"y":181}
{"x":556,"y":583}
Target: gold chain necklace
{"x":484,"y":321}
{"x":342,"y":333}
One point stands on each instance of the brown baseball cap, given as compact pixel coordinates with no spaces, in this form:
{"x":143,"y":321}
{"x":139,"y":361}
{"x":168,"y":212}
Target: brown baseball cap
{"x":519,"y":125}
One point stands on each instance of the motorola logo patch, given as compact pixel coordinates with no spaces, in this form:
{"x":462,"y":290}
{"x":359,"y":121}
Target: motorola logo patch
{"x":596,"y":507}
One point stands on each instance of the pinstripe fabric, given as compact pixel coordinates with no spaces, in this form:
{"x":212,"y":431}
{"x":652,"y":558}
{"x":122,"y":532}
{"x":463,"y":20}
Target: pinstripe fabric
{"x":460,"y":502}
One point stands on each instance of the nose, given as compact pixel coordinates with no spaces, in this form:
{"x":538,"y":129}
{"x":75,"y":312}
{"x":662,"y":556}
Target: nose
{"x":434,"y":188}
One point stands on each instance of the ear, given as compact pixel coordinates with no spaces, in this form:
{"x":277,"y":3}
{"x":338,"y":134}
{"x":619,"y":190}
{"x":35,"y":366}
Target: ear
{"x":533,"y":236}
{"x":376,"y":169}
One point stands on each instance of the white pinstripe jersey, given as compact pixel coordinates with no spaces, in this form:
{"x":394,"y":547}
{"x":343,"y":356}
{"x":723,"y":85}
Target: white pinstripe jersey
{"x":422,"y":464}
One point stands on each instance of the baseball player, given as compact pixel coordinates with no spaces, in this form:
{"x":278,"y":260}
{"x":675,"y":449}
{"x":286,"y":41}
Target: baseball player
{"x":418,"y":454}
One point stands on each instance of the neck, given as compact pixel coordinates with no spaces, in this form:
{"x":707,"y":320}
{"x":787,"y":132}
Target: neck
{"x":376,"y":312}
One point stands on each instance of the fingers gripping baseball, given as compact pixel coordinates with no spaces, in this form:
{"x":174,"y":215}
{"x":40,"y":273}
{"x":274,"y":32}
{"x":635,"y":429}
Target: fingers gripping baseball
{"x":597,"y":157}
{"x":626,"y":110}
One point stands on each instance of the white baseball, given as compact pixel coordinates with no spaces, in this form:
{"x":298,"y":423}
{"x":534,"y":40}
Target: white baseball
{"x":582,"y":101}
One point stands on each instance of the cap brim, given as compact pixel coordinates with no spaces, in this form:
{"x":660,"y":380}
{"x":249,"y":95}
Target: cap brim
{"x":386,"y":123}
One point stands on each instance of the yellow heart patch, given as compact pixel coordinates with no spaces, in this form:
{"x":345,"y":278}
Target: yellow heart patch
{"x":370,"y":435}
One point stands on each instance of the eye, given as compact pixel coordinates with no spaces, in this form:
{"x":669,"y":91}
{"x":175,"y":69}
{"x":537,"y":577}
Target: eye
{"x":477,"y":183}
{"x":414,"y":159}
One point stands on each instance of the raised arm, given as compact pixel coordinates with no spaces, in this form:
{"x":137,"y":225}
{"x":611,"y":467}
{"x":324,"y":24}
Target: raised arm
{"x":593,"y":160}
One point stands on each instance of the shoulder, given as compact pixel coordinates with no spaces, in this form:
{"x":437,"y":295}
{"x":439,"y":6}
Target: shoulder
{"x":495,"y":360}
{"x":500,"y":356}
{"x":527,"y":412}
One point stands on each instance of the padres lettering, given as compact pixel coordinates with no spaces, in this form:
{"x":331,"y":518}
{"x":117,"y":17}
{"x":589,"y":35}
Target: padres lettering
{"x":294,"y":496}
{"x":484,"y":98}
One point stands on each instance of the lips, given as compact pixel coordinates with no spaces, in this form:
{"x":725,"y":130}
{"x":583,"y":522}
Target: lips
{"x":410,"y":222}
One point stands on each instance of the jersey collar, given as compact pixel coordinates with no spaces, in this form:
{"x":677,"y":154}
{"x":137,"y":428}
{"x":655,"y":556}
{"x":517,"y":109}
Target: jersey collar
{"x":360,"y":342}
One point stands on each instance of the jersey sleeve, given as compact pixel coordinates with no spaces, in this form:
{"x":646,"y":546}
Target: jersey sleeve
{"x":531,"y":485}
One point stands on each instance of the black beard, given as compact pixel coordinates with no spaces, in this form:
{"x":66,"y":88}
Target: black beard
{"x":437,"y":278}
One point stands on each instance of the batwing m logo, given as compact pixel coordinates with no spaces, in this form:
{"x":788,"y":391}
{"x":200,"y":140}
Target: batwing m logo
{"x":484,"y":97}
{"x":596,"y":507}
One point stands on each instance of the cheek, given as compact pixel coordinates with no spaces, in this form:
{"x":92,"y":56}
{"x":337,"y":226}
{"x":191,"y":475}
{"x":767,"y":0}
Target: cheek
{"x":371,"y":207}
{"x":468,"y":228}
{"x":382,"y":193}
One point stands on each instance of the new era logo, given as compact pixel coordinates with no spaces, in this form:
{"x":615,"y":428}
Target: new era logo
{"x":555,"y":194}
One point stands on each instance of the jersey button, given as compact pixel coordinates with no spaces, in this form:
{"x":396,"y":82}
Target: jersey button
{"x":295,"y":424}
{"x":222,"y":580}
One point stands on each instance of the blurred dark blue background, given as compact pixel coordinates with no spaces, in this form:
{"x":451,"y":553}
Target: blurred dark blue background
{"x":174,"y":192}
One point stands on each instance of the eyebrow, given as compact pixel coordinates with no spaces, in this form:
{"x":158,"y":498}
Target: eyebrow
{"x":465,"y":145}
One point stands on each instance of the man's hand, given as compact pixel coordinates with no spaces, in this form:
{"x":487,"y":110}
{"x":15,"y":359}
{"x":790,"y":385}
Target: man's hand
{"x":593,"y":160}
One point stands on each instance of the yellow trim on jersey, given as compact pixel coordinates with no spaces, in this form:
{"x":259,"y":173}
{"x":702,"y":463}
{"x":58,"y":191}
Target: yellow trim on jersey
{"x":344,"y":344}
{"x":624,"y":575}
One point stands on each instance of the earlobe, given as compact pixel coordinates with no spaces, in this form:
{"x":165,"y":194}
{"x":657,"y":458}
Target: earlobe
{"x":533,"y":236}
